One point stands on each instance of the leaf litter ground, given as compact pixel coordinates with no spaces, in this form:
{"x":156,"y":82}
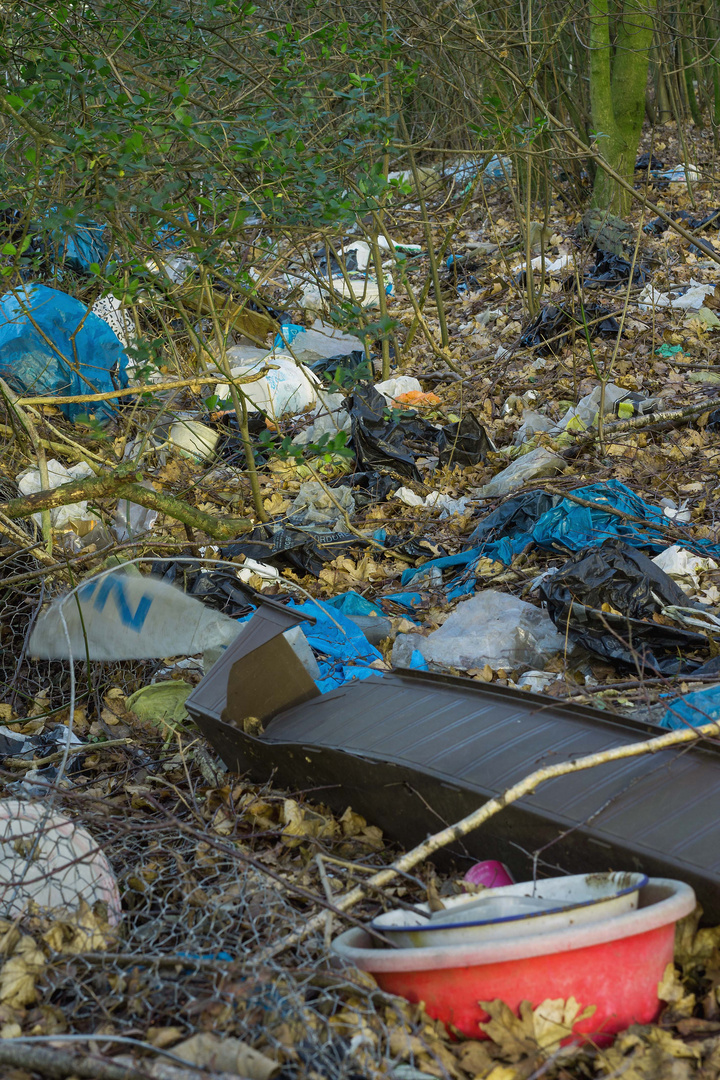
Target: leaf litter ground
{"x":213,"y":870}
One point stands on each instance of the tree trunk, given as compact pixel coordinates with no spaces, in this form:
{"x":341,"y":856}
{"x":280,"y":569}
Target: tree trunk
{"x":617,"y":92}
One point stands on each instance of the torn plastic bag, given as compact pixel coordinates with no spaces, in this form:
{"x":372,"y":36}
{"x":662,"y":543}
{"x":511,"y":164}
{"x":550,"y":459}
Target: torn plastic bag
{"x":370,"y":487}
{"x":321,"y":341}
{"x":353,"y":366}
{"x":340,"y":648}
{"x":50,"y":344}
{"x":386,"y":444}
{"x":539,"y":462}
{"x":648,"y":161}
{"x":607,"y":599}
{"x":304,"y":550}
{"x":611,"y":271}
{"x":658,"y":225}
{"x":352,"y":603}
{"x":551,"y":329}
{"x":219,"y":589}
{"x":565,"y":526}
{"x":607,"y":232}
{"x":70,"y":246}
{"x":693,"y":710}
{"x":517,"y":515}
{"x":464,"y":443}
{"x":492,"y":628}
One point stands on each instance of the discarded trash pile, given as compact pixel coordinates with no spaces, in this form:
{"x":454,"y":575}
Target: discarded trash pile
{"x":337,"y":559}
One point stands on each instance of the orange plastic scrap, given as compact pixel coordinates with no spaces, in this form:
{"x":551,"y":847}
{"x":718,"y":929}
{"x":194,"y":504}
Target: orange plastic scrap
{"x":417,"y":397}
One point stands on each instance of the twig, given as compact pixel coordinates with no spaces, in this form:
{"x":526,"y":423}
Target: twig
{"x":86,"y":748}
{"x":59,"y":1065}
{"x":489,"y":809}
{"x":145,"y":388}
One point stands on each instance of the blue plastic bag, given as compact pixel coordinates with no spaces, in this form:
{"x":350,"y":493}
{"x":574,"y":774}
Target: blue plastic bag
{"x":72,"y":246}
{"x":352,"y":603}
{"x":341,"y":649}
{"x":693,"y":710}
{"x":51,"y":345}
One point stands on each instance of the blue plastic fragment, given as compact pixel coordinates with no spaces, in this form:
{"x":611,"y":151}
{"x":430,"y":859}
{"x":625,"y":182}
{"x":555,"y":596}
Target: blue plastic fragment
{"x":288,"y":333}
{"x":51,"y":345}
{"x":693,"y":710}
{"x":69,"y":244}
{"x":342,"y":651}
{"x":418,"y":661}
{"x":352,"y":603}
{"x":405,"y":599}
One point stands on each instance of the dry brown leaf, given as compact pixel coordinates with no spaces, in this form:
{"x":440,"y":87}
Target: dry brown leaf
{"x":18,"y":974}
{"x":302,"y":823}
{"x":226,"y":1055}
{"x":84,"y":931}
{"x":162,"y":1037}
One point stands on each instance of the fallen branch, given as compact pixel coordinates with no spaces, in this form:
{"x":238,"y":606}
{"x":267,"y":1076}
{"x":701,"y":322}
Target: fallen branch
{"x":86,"y":748}
{"x":201,"y":379}
{"x":220,"y":527}
{"x":122,"y":484}
{"x":489,"y":809}
{"x":93,"y":487}
{"x":670,"y":416}
{"x":59,"y":1065}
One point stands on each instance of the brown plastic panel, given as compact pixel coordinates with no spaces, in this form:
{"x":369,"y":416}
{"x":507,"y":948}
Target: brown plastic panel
{"x":440,"y":746}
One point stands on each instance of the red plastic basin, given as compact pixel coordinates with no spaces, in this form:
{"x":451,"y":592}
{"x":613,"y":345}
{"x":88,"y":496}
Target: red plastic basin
{"x":615,"y":964}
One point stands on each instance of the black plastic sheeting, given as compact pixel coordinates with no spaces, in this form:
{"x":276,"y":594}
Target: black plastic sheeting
{"x":648,"y":161}
{"x":390,"y":440}
{"x":353,"y":366}
{"x":464,"y":443}
{"x":658,"y":225}
{"x":630,"y":583}
{"x":516,"y":515}
{"x":551,"y":328}
{"x":612,"y":271}
{"x":306,"y":551}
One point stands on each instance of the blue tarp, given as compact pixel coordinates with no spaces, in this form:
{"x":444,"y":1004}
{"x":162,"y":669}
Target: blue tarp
{"x":51,"y":345}
{"x":568,"y":527}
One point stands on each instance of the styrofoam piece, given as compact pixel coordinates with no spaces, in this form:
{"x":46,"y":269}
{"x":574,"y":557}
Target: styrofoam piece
{"x":48,"y":859}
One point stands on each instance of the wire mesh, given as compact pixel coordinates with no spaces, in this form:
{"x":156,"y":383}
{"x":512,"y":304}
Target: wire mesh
{"x":205,"y":872}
